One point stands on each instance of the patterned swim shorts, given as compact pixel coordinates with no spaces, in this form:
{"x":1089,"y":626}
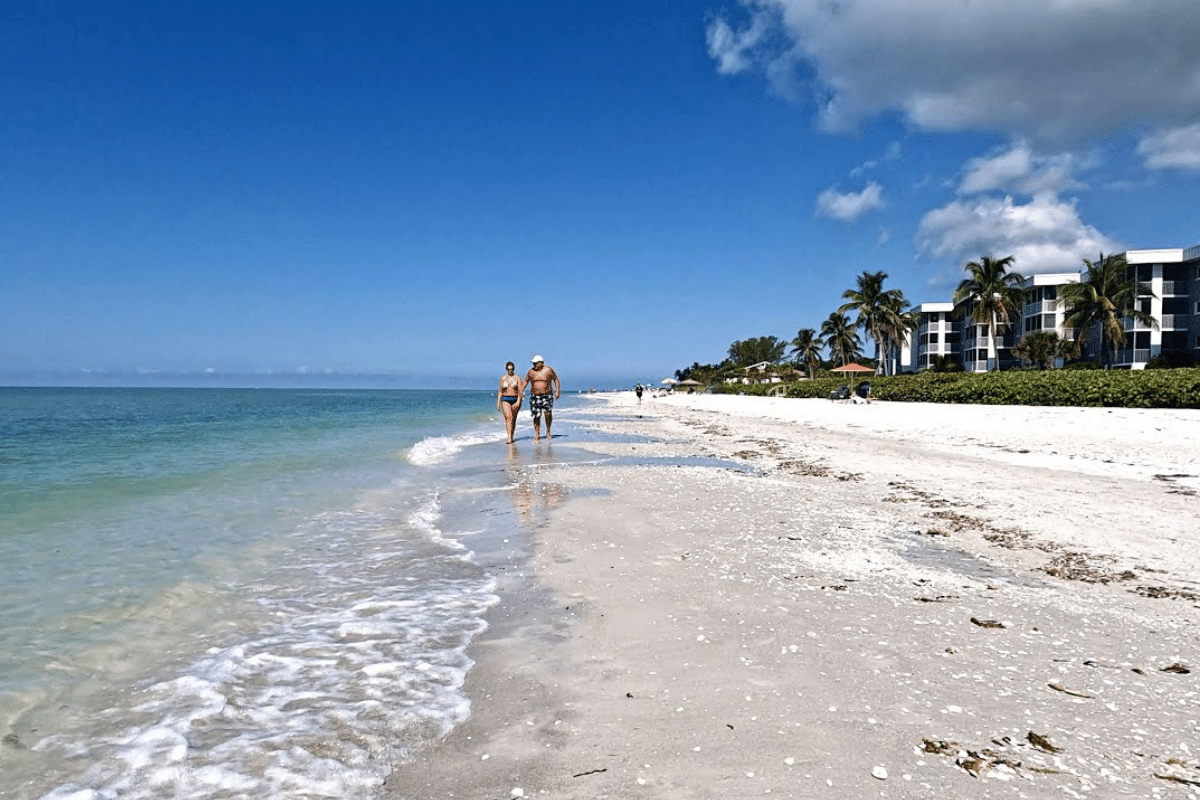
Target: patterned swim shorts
{"x":539,"y":403}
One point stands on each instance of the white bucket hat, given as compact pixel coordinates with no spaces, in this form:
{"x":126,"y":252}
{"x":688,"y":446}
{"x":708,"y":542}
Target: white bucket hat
{"x":538,"y":359}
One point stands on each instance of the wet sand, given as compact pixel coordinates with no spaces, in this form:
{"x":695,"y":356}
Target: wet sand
{"x":846,"y":601}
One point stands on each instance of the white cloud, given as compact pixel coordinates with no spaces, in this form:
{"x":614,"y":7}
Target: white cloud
{"x":892,"y":153}
{"x":863,"y":167}
{"x":1177,"y":148}
{"x":849,"y":206}
{"x":1045,"y":234}
{"x":734,"y":51}
{"x":1019,"y":169}
{"x":1041,"y":71}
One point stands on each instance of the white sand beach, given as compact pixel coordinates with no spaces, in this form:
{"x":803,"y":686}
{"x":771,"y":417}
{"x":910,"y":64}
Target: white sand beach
{"x":800,"y":598}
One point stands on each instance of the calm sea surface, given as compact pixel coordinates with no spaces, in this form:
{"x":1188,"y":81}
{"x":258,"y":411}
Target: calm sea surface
{"x":242,"y":593}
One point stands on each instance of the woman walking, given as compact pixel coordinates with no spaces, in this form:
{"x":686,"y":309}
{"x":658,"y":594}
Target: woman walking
{"x":508,"y":398}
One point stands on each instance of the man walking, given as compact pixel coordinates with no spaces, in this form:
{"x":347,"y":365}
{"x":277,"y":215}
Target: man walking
{"x":540,"y":380}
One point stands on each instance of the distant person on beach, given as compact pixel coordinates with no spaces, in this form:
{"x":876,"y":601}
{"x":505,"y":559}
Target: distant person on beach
{"x":541,"y":379}
{"x":508,"y":398}
{"x":638,"y":390}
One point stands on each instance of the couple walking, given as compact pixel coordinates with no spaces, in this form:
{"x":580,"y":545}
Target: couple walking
{"x":544,"y":388}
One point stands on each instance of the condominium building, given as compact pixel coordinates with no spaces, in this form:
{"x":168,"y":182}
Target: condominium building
{"x":1172,"y":275}
{"x":937,"y":334}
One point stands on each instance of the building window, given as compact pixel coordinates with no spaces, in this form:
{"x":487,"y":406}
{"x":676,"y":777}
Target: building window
{"x":1174,"y":305}
{"x":1174,"y":272}
{"x":1174,"y":340}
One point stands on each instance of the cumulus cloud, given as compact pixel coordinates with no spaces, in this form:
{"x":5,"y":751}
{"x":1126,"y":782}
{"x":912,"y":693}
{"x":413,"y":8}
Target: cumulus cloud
{"x":1045,"y":234}
{"x":1035,"y":70}
{"x":849,"y":206}
{"x":1174,"y":148}
{"x":1019,"y":169}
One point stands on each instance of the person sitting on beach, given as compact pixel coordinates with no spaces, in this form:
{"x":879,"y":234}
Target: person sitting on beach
{"x":508,"y":398}
{"x":540,"y":379}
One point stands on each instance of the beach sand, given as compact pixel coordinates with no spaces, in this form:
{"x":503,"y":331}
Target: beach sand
{"x":800,"y":598}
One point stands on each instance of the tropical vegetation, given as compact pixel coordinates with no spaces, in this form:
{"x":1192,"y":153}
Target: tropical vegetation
{"x":1045,"y":348}
{"x":757,"y":350}
{"x":1176,"y":388}
{"x":1102,"y":298}
{"x":806,"y":349}
{"x":840,"y":336}
{"x":991,"y":295}
{"x":881,"y":313}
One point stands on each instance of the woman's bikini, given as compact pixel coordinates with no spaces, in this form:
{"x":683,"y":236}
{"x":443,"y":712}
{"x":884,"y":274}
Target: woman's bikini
{"x":510,"y":383}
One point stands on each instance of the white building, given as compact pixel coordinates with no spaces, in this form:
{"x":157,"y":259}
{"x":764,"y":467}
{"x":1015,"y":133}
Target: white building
{"x":1174,"y":279}
{"x":1173,"y":276}
{"x":937,"y":335}
{"x":1042,"y":312}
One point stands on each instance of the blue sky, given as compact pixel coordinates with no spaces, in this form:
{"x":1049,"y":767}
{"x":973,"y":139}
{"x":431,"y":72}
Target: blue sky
{"x":325,"y":193}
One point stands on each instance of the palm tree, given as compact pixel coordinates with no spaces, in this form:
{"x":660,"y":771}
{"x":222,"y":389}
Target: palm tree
{"x":1045,"y":347}
{"x":806,"y":347}
{"x":993,"y":296}
{"x":839,"y":335}
{"x":897,"y":324}
{"x":878,"y":310}
{"x":1106,"y":294}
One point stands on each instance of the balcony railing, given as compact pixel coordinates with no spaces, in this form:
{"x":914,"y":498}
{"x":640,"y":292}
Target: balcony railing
{"x":1173,"y":322}
{"x":1131,"y":324}
{"x":937,"y":349}
{"x":1044,"y":307}
{"x":1137,"y":356}
{"x":1174,"y":287}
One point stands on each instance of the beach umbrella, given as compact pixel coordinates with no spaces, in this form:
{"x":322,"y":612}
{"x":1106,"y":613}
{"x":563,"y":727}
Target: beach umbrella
{"x":852,"y":368}
{"x":669,"y":381}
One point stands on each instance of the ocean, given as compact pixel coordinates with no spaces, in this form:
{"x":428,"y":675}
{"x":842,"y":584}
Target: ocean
{"x":226,"y":593}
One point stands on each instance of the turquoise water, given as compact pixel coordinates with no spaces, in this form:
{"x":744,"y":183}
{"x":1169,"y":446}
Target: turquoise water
{"x":227,"y":593}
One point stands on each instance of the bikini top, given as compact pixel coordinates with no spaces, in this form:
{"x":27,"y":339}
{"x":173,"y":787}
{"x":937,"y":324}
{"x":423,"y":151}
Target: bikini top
{"x":510,"y":382}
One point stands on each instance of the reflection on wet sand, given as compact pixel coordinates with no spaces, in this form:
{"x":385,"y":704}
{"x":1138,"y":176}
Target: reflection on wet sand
{"x":533,"y":498}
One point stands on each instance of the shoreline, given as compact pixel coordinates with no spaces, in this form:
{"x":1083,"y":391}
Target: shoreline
{"x":892,"y":600}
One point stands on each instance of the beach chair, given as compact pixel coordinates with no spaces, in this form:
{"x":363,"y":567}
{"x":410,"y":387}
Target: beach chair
{"x":862,"y":393}
{"x":841,"y":393}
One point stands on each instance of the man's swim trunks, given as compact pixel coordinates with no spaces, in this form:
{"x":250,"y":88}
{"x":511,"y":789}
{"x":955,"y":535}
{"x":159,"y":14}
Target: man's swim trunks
{"x":539,"y":403}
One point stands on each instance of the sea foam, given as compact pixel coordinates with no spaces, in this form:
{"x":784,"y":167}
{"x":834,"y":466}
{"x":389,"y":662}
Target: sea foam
{"x":323,"y":702}
{"x":439,"y":449}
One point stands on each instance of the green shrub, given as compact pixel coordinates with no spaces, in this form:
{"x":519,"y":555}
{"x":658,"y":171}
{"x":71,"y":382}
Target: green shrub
{"x":1174,"y":388}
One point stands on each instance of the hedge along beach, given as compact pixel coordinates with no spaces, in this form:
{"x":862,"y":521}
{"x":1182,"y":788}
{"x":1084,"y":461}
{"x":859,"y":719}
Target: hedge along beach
{"x":753,"y":596}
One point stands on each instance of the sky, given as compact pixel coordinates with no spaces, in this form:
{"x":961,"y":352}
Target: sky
{"x":412,"y":193}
